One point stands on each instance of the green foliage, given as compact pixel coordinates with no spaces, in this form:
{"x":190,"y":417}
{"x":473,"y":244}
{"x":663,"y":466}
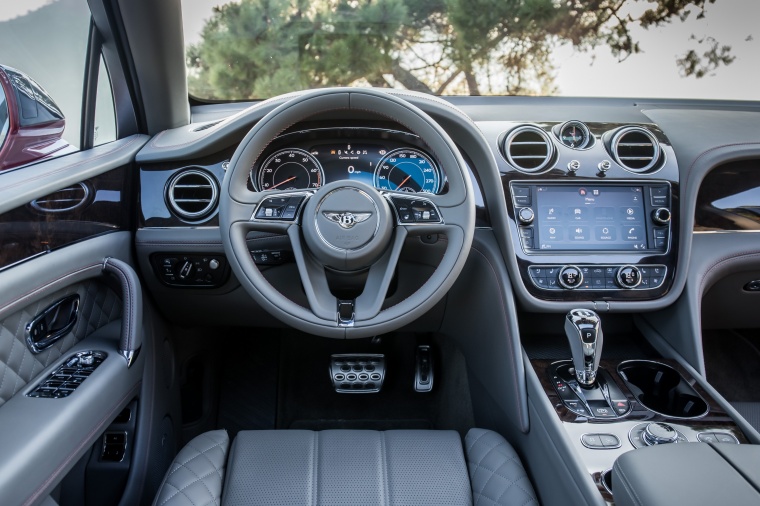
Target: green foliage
{"x":261,"y":48}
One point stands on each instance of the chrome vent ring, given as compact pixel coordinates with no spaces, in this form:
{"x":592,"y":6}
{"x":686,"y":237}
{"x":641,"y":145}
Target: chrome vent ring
{"x":192,"y":194}
{"x":635,"y":149}
{"x":528,"y":148}
{"x":65,"y":200}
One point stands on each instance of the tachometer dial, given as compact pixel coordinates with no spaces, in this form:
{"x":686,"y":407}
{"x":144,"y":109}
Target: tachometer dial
{"x":289,"y":169}
{"x":575,"y":134}
{"x":407,"y":170}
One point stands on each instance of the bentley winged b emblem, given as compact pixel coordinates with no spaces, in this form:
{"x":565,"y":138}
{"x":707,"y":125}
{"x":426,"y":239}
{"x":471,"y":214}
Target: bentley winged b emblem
{"x":347,"y":219}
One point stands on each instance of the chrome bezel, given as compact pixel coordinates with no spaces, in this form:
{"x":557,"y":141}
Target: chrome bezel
{"x":590,"y":140}
{"x":658,"y":153}
{"x":528,"y":128}
{"x":436,"y":169}
{"x":198,"y":214}
{"x":620,"y":443}
{"x":672,"y":417}
{"x":256,"y":183}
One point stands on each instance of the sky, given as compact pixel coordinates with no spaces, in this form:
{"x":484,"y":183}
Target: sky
{"x":652,"y":73}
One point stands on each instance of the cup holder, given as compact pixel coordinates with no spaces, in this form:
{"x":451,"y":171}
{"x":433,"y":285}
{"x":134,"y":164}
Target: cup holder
{"x":662,"y":389}
{"x":607,"y":480}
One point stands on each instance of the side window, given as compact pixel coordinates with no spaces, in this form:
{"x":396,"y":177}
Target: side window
{"x":105,"y":117}
{"x":43,"y":49}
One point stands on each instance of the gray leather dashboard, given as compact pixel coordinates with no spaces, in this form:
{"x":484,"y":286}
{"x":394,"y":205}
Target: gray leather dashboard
{"x":703,"y":135}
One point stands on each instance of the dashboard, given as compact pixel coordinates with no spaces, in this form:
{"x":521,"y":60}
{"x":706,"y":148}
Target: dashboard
{"x":590,"y":161}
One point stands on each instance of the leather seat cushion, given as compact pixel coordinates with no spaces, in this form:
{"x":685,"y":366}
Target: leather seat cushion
{"x":347,"y":467}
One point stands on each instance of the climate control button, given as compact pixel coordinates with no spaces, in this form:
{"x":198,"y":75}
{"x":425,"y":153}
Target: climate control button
{"x":629,"y":276}
{"x":570,"y":277}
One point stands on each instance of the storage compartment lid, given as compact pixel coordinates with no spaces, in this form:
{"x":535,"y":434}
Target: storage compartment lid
{"x":687,"y":473}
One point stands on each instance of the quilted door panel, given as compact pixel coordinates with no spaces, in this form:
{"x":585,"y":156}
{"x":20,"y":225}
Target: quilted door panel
{"x":99,"y":305}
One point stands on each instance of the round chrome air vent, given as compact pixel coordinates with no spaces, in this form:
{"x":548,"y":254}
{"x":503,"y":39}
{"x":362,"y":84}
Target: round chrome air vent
{"x":64,"y":200}
{"x":636,"y":149}
{"x":528,"y":148}
{"x":192,"y":194}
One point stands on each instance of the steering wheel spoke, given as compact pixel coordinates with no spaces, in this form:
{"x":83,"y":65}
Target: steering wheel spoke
{"x":370,"y":302}
{"x":322,"y":302}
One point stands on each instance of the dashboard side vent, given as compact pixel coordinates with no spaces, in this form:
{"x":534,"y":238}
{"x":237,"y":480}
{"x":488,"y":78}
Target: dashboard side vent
{"x":528,"y":148}
{"x":63,"y":201}
{"x":192,"y":194}
{"x":635,"y":149}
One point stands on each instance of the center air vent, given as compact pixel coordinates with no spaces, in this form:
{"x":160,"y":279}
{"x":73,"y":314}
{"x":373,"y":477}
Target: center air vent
{"x":528,"y":148}
{"x":635,"y":149}
{"x":66,"y":200}
{"x":192,"y":194}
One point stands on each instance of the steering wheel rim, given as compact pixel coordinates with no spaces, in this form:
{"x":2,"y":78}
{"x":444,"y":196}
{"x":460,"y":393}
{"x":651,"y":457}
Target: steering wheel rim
{"x":238,"y":206}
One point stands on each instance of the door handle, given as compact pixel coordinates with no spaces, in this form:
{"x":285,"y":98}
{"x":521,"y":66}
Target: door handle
{"x":52,"y":324}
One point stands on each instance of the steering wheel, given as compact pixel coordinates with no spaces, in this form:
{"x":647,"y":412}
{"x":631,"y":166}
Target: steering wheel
{"x":346,"y":225}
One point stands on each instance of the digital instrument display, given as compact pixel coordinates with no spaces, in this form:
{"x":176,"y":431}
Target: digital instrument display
{"x":389,"y":162}
{"x":607,"y":218}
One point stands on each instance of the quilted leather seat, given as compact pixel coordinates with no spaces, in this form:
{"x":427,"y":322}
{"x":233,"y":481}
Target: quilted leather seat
{"x":347,"y":467}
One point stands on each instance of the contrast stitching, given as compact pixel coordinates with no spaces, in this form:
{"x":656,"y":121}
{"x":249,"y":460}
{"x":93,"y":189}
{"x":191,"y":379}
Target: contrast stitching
{"x":67,"y":167}
{"x":40,"y":288}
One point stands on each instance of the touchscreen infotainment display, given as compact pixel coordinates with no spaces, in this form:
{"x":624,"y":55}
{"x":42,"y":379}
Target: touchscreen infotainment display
{"x":609,"y":218}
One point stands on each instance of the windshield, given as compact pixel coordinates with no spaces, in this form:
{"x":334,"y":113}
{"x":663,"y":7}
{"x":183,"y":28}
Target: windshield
{"x":253,"y":49}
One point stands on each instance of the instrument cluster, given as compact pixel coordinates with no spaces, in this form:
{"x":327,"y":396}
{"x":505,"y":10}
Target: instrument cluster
{"x":389,"y":160}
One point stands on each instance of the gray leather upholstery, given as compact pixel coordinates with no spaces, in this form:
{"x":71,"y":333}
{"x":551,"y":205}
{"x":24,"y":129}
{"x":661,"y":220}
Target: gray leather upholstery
{"x":347,"y":467}
{"x":195,"y":477}
{"x":131,"y":292}
{"x":98,"y":306}
{"x":496,"y":473}
{"x":687,"y":473}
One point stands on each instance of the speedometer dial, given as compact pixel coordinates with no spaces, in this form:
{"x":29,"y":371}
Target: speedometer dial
{"x":407,"y":170}
{"x":289,"y":169}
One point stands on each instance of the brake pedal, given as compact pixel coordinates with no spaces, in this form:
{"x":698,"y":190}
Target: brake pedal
{"x":423,"y":370}
{"x":358,"y":373}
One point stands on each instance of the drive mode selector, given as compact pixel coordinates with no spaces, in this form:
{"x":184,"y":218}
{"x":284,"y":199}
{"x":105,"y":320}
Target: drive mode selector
{"x":659,"y":433}
{"x":628,"y":276}
{"x":570,"y":277}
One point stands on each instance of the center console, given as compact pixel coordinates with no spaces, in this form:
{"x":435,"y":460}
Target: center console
{"x":610,"y":407}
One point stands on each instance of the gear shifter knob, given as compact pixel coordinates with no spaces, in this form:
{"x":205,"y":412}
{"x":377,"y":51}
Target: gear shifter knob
{"x":584,"y":332}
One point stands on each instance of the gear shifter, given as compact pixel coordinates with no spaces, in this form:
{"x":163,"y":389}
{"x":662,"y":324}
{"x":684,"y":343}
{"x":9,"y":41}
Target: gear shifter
{"x":584,"y":331}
